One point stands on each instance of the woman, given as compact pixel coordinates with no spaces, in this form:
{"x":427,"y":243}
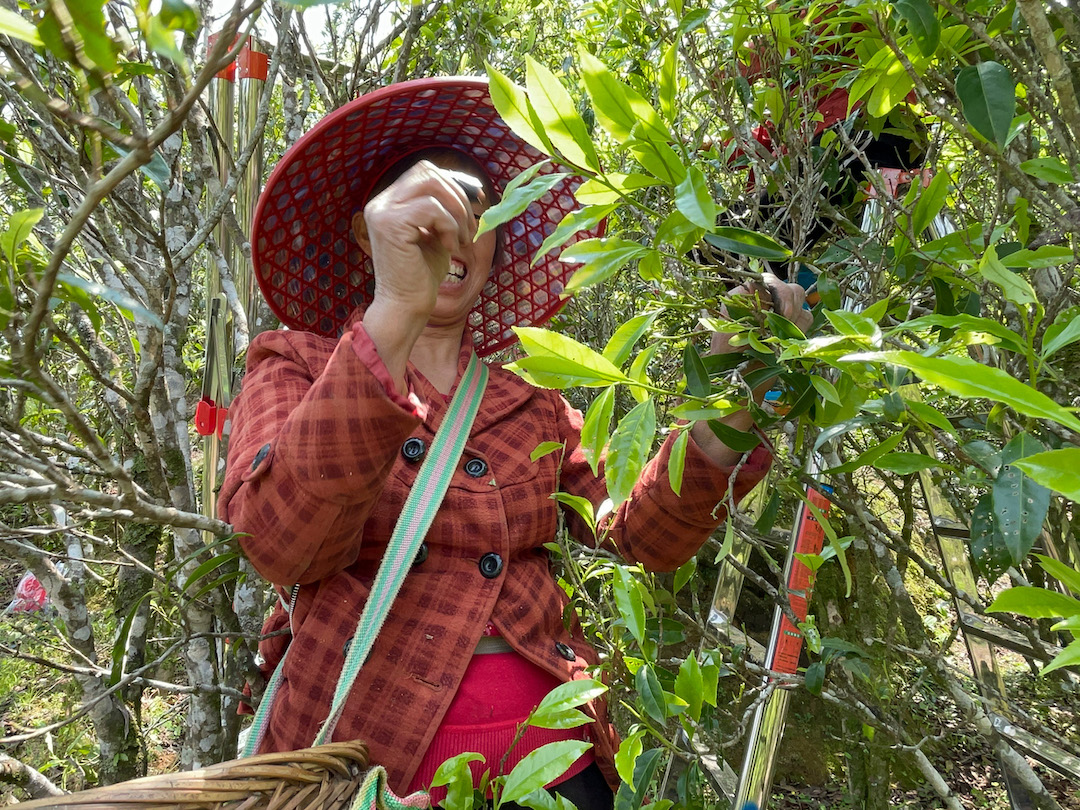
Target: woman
{"x":329,"y":431}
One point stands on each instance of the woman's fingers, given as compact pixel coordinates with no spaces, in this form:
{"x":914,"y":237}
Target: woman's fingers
{"x":788,"y":300}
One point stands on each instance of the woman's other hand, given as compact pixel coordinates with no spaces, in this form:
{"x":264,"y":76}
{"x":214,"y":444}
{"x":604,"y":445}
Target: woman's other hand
{"x":784,"y":298}
{"x":772,"y":294}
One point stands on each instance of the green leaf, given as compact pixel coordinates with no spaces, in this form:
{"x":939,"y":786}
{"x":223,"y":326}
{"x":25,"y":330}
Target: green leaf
{"x":669,"y":82}
{"x":644,"y":770}
{"x":689,"y":686}
{"x":162,"y":40}
{"x":545,"y":448}
{"x":966,"y":378}
{"x":1015,"y":287}
{"x":694,"y":19}
{"x":931,"y":199}
{"x":512,"y":103}
{"x":639,"y":371}
{"x":81,"y":299}
{"x":747,"y":243}
{"x":694,"y":199}
{"x":871,"y":455}
{"x":89,"y":19}
{"x":126,"y":304}
{"x":206,"y":567}
{"x":727,"y":544}
{"x":628,"y":450}
{"x":684,"y":574}
{"x":930,"y":415}
{"x":676,"y":466}
{"x":574,"y":358}
{"x":836,"y":545}
{"x":988,"y":99}
{"x":826,"y":389}
{"x":619,"y":108}
{"x":922,"y":24}
{"x":582,"y":506}
{"x":16,"y":26}
{"x":660,"y":160}
{"x":697,"y":378}
{"x":575,"y":222}
{"x":908,"y":463}
{"x":1064,"y":331}
{"x":854,"y":323}
{"x":987,"y":546}
{"x":629,"y":751}
{"x":157,"y":170}
{"x":814,"y":679}
{"x":650,"y":267}
{"x":20,"y":226}
{"x":179,"y":15}
{"x":597,"y":427}
{"x":600,"y":259}
{"x":571,"y":695}
{"x":767,"y":519}
{"x":736,"y":440}
{"x":1062,"y":573}
{"x":1068,"y":657}
{"x":562,"y":124}
{"x":206,"y":587}
{"x":559,"y":708}
{"x":1049,"y":169}
{"x":457,"y":776}
{"x":651,"y":694}
{"x":890,"y":87}
{"x":1035,"y":603}
{"x":621,"y":343}
{"x":516,"y":201}
{"x":120,"y":646}
{"x":1045,"y":256}
{"x":966,"y":323}
{"x":629,"y":603}
{"x":542,"y":766}
{"x":1058,"y":470}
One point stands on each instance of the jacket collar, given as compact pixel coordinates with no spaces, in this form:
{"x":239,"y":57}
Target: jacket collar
{"x":505,"y":392}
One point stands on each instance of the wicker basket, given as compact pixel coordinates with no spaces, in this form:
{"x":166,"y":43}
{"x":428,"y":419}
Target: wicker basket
{"x":327,"y":777}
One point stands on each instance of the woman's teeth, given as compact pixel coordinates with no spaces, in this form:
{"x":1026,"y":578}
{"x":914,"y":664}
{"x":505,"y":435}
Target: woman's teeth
{"x":457,"y":272}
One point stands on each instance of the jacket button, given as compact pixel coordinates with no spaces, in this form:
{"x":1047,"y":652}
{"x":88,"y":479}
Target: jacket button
{"x":491,"y":565}
{"x":264,"y":451}
{"x":566,"y":651}
{"x":421,"y":553}
{"x":413,"y":449}
{"x":475,"y":468}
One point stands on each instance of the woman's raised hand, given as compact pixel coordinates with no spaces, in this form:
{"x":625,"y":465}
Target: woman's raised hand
{"x":411,"y":230}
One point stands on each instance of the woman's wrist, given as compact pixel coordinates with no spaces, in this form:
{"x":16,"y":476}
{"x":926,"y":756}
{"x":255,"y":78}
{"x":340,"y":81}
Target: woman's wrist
{"x":393,"y":334}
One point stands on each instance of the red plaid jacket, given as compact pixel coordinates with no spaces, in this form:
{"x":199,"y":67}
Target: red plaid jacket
{"x":317,"y":480}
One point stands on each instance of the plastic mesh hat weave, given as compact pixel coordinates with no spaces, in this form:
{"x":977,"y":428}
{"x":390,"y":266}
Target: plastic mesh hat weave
{"x":307,"y":262}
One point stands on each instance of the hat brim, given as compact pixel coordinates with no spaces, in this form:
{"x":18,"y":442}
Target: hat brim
{"x":307,"y":262}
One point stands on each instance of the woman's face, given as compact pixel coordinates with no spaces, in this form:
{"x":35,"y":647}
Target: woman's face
{"x":468,"y":274}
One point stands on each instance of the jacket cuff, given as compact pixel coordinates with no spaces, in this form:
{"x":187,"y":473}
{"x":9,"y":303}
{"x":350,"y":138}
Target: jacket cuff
{"x":704,"y":493}
{"x":365,"y":349}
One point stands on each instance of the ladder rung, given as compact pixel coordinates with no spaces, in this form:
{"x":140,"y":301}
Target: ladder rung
{"x":1047,"y":753}
{"x":1009,"y":639}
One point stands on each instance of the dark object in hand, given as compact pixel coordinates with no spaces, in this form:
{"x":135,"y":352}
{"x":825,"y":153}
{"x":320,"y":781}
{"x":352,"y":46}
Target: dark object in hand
{"x":472,"y":187}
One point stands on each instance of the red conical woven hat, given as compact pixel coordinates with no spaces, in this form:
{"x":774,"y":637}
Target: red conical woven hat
{"x":307,"y":262}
